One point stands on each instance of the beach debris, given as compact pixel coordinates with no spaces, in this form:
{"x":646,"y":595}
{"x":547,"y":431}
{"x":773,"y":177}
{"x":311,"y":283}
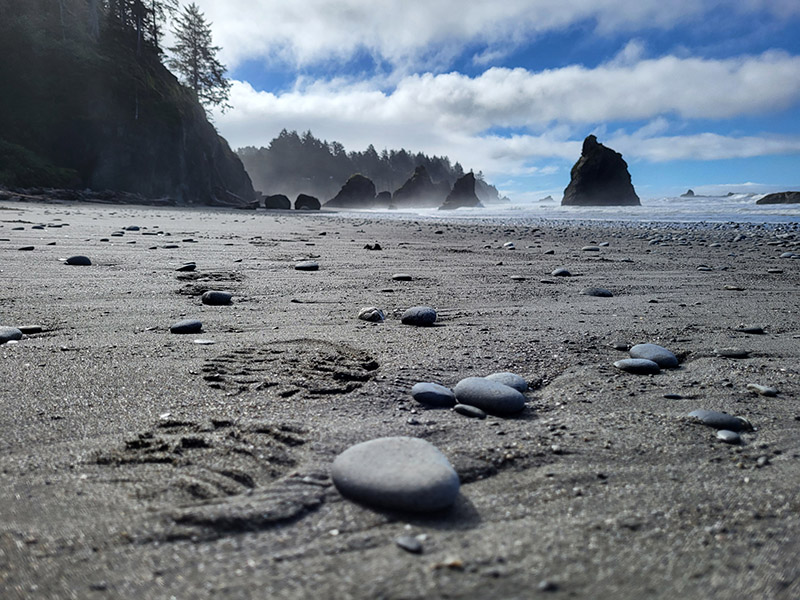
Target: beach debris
{"x":372,"y":314}
{"x":490,"y":396}
{"x":658,"y":354}
{"x":80,"y":261}
{"x":762,"y":390}
{"x":401,"y":473}
{"x":597,"y":292}
{"x":187,"y":326}
{"x":638,"y":366}
{"x":510,"y":379}
{"x":306,"y":265}
{"x":729,"y":437}
{"x":469,"y":411}
{"x":9,"y":334}
{"x":420,"y":316}
{"x":216,"y":298}
{"x":433,"y":394}
{"x":720,"y":420}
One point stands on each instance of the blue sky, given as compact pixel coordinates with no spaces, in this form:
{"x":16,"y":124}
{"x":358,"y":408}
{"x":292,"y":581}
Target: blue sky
{"x":693,"y":93}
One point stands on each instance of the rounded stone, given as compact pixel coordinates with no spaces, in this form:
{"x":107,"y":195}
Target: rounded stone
{"x":720,"y":420}
{"x":597,"y":292}
{"x":187,"y":326}
{"x":732,"y":353}
{"x":638,"y":366}
{"x":306,"y":265}
{"x":421,"y":316}
{"x":402,"y":277}
{"x":190,"y":266}
{"x":433,"y":394}
{"x":490,"y":396}
{"x":510,"y":379}
{"x":469,"y":411}
{"x":729,"y":437}
{"x":215,"y":298}
{"x":80,"y":261}
{"x":401,"y":473}
{"x":590,"y":249}
{"x":561,"y":272}
{"x":658,"y":354}
{"x":762,"y":390}
{"x":372,"y":314}
{"x":9,"y":334}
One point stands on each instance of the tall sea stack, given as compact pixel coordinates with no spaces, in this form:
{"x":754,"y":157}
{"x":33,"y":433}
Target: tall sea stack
{"x":599,"y":178}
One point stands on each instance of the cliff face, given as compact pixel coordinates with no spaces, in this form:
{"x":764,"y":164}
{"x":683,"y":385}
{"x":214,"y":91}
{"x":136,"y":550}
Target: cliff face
{"x":114,"y":117}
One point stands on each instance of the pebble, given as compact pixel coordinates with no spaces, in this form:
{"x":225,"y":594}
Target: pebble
{"x":421,"y":316}
{"x":751,"y":329}
{"x":402,"y":277}
{"x":26,"y":248}
{"x":187,"y":326}
{"x":215,"y":298}
{"x":763,"y":390}
{"x":202,"y":342}
{"x":774,"y":271}
{"x":372,"y":314}
{"x":510,"y":379}
{"x":469,"y":411}
{"x":639,"y":366}
{"x":409,"y":543}
{"x":720,"y":420}
{"x":729,"y":437}
{"x":598,"y":292}
{"x":401,"y":473}
{"x":658,"y":354}
{"x":306,"y":265}
{"x":9,"y":334}
{"x":190,"y":266}
{"x":560,"y":272}
{"x":518,"y":278}
{"x":732,"y":353}
{"x":590,"y":249}
{"x":433,"y":394}
{"x":81,"y":261}
{"x":509,"y":246}
{"x":490,"y":396}
{"x":30,"y":329}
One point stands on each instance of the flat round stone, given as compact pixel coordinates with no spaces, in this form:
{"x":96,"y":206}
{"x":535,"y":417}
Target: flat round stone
{"x":561,"y":272}
{"x":732,"y":353}
{"x":401,"y":473}
{"x":469,"y":411}
{"x":597,"y":292}
{"x":433,"y":394}
{"x":510,"y":379}
{"x":638,"y":366}
{"x":490,"y":396}
{"x":372,"y":314}
{"x":720,"y":420}
{"x":590,"y":249}
{"x":215,"y":298}
{"x":190,"y":266}
{"x":762,"y":390}
{"x":187,"y":326}
{"x":421,"y":316}
{"x":80,"y":261}
{"x":729,"y":437}
{"x":658,"y":354}
{"x":9,"y":334}
{"x":306,"y":265}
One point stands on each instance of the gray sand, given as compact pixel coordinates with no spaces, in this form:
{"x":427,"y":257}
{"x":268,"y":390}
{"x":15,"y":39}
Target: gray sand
{"x":139,"y":464}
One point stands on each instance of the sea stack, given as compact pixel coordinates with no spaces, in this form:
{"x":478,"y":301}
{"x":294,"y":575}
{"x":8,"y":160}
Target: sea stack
{"x":357,"y":192}
{"x":463,"y":194}
{"x":599,"y":178}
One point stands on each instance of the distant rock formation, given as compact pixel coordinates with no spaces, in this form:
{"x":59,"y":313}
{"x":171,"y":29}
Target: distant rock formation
{"x":277,"y":201}
{"x":463,"y":194}
{"x":306,"y":202}
{"x":420,"y":191}
{"x":383,"y":200}
{"x":689,"y":194}
{"x":357,"y":192}
{"x":780,"y":198}
{"x":599,"y":178}
{"x":547,"y":199}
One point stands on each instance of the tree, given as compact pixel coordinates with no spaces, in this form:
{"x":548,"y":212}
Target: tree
{"x":195,"y":59}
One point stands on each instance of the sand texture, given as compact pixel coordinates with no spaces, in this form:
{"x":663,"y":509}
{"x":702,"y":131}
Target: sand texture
{"x":137,"y":463}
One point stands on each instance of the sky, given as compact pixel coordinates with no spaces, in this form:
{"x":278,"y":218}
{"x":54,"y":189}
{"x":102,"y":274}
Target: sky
{"x":701,"y":94}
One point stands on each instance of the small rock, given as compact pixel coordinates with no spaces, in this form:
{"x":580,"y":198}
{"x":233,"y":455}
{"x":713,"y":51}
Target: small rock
{"x":372,"y":314}
{"x":26,"y":248}
{"x":658,"y":354}
{"x":80,"y":261}
{"x":763,"y":390}
{"x":490,"y":396}
{"x":215,"y":298}
{"x":729,"y":437}
{"x":409,"y":544}
{"x":590,"y":249}
{"x":202,"y":342}
{"x":306,"y":265}
{"x":751,"y":329}
{"x":187,"y":326}
{"x":509,"y":246}
{"x":420,"y":316}
{"x":401,"y":473}
{"x":469,"y":411}
{"x":720,"y":420}
{"x":598,"y":292}
{"x":402,"y":277}
{"x":433,"y":394}
{"x":510,"y":379}
{"x":638,"y":366}
{"x":190,"y":266}
{"x":732,"y":353}
{"x":30,"y":329}
{"x":9,"y":334}
{"x":560,"y":272}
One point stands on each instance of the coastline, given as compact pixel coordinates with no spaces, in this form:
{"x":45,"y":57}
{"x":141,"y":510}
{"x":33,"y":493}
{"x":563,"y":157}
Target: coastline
{"x":141,"y":464}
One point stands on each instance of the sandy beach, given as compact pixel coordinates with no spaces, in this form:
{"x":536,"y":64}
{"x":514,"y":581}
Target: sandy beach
{"x":137,"y":463}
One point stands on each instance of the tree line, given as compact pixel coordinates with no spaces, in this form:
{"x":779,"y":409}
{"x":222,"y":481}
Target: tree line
{"x":293,"y":164}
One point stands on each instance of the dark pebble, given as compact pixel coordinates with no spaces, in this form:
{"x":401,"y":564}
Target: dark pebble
{"x":720,"y":420}
{"x":420,"y":316}
{"x":469,"y":411}
{"x":187,"y":326}
{"x":26,"y":248}
{"x":81,"y":261}
{"x":215,"y":298}
{"x":433,"y":394}
{"x":638,"y":366}
{"x":597,"y":292}
{"x":307,"y":265}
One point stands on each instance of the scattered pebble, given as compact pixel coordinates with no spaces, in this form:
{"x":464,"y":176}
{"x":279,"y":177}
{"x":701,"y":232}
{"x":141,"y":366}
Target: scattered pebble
{"x":216,"y":298}
{"x":433,"y":394}
{"x":420,"y":316}
{"x":598,"y":292}
{"x":202,"y":342}
{"x":372,"y":314}
{"x":720,"y":420}
{"x":30,"y":329}
{"x":306,"y":265}
{"x":751,"y":329}
{"x":469,"y":411}
{"x":729,"y":437}
{"x":732,"y":353}
{"x":560,"y":272}
{"x":9,"y":334}
{"x":509,"y":246}
{"x":81,"y":261}
{"x":409,"y":543}
{"x":490,"y":396}
{"x":590,"y":249}
{"x":189,"y":266}
{"x":402,"y":277}
{"x":187,"y":326}
{"x":26,"y":248}
{"x":658,"y":354}
{"x":763,"y":390}
{"x":400,"y":473}
{"x":510,"y":379}
{"x":638,"y":366}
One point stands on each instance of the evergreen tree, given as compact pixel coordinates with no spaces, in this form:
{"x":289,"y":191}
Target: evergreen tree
{"x":195,"y":59}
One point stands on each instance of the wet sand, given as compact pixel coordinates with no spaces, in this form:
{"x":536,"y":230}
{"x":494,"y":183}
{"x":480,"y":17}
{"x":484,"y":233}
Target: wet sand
{"x":140,"y":464}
